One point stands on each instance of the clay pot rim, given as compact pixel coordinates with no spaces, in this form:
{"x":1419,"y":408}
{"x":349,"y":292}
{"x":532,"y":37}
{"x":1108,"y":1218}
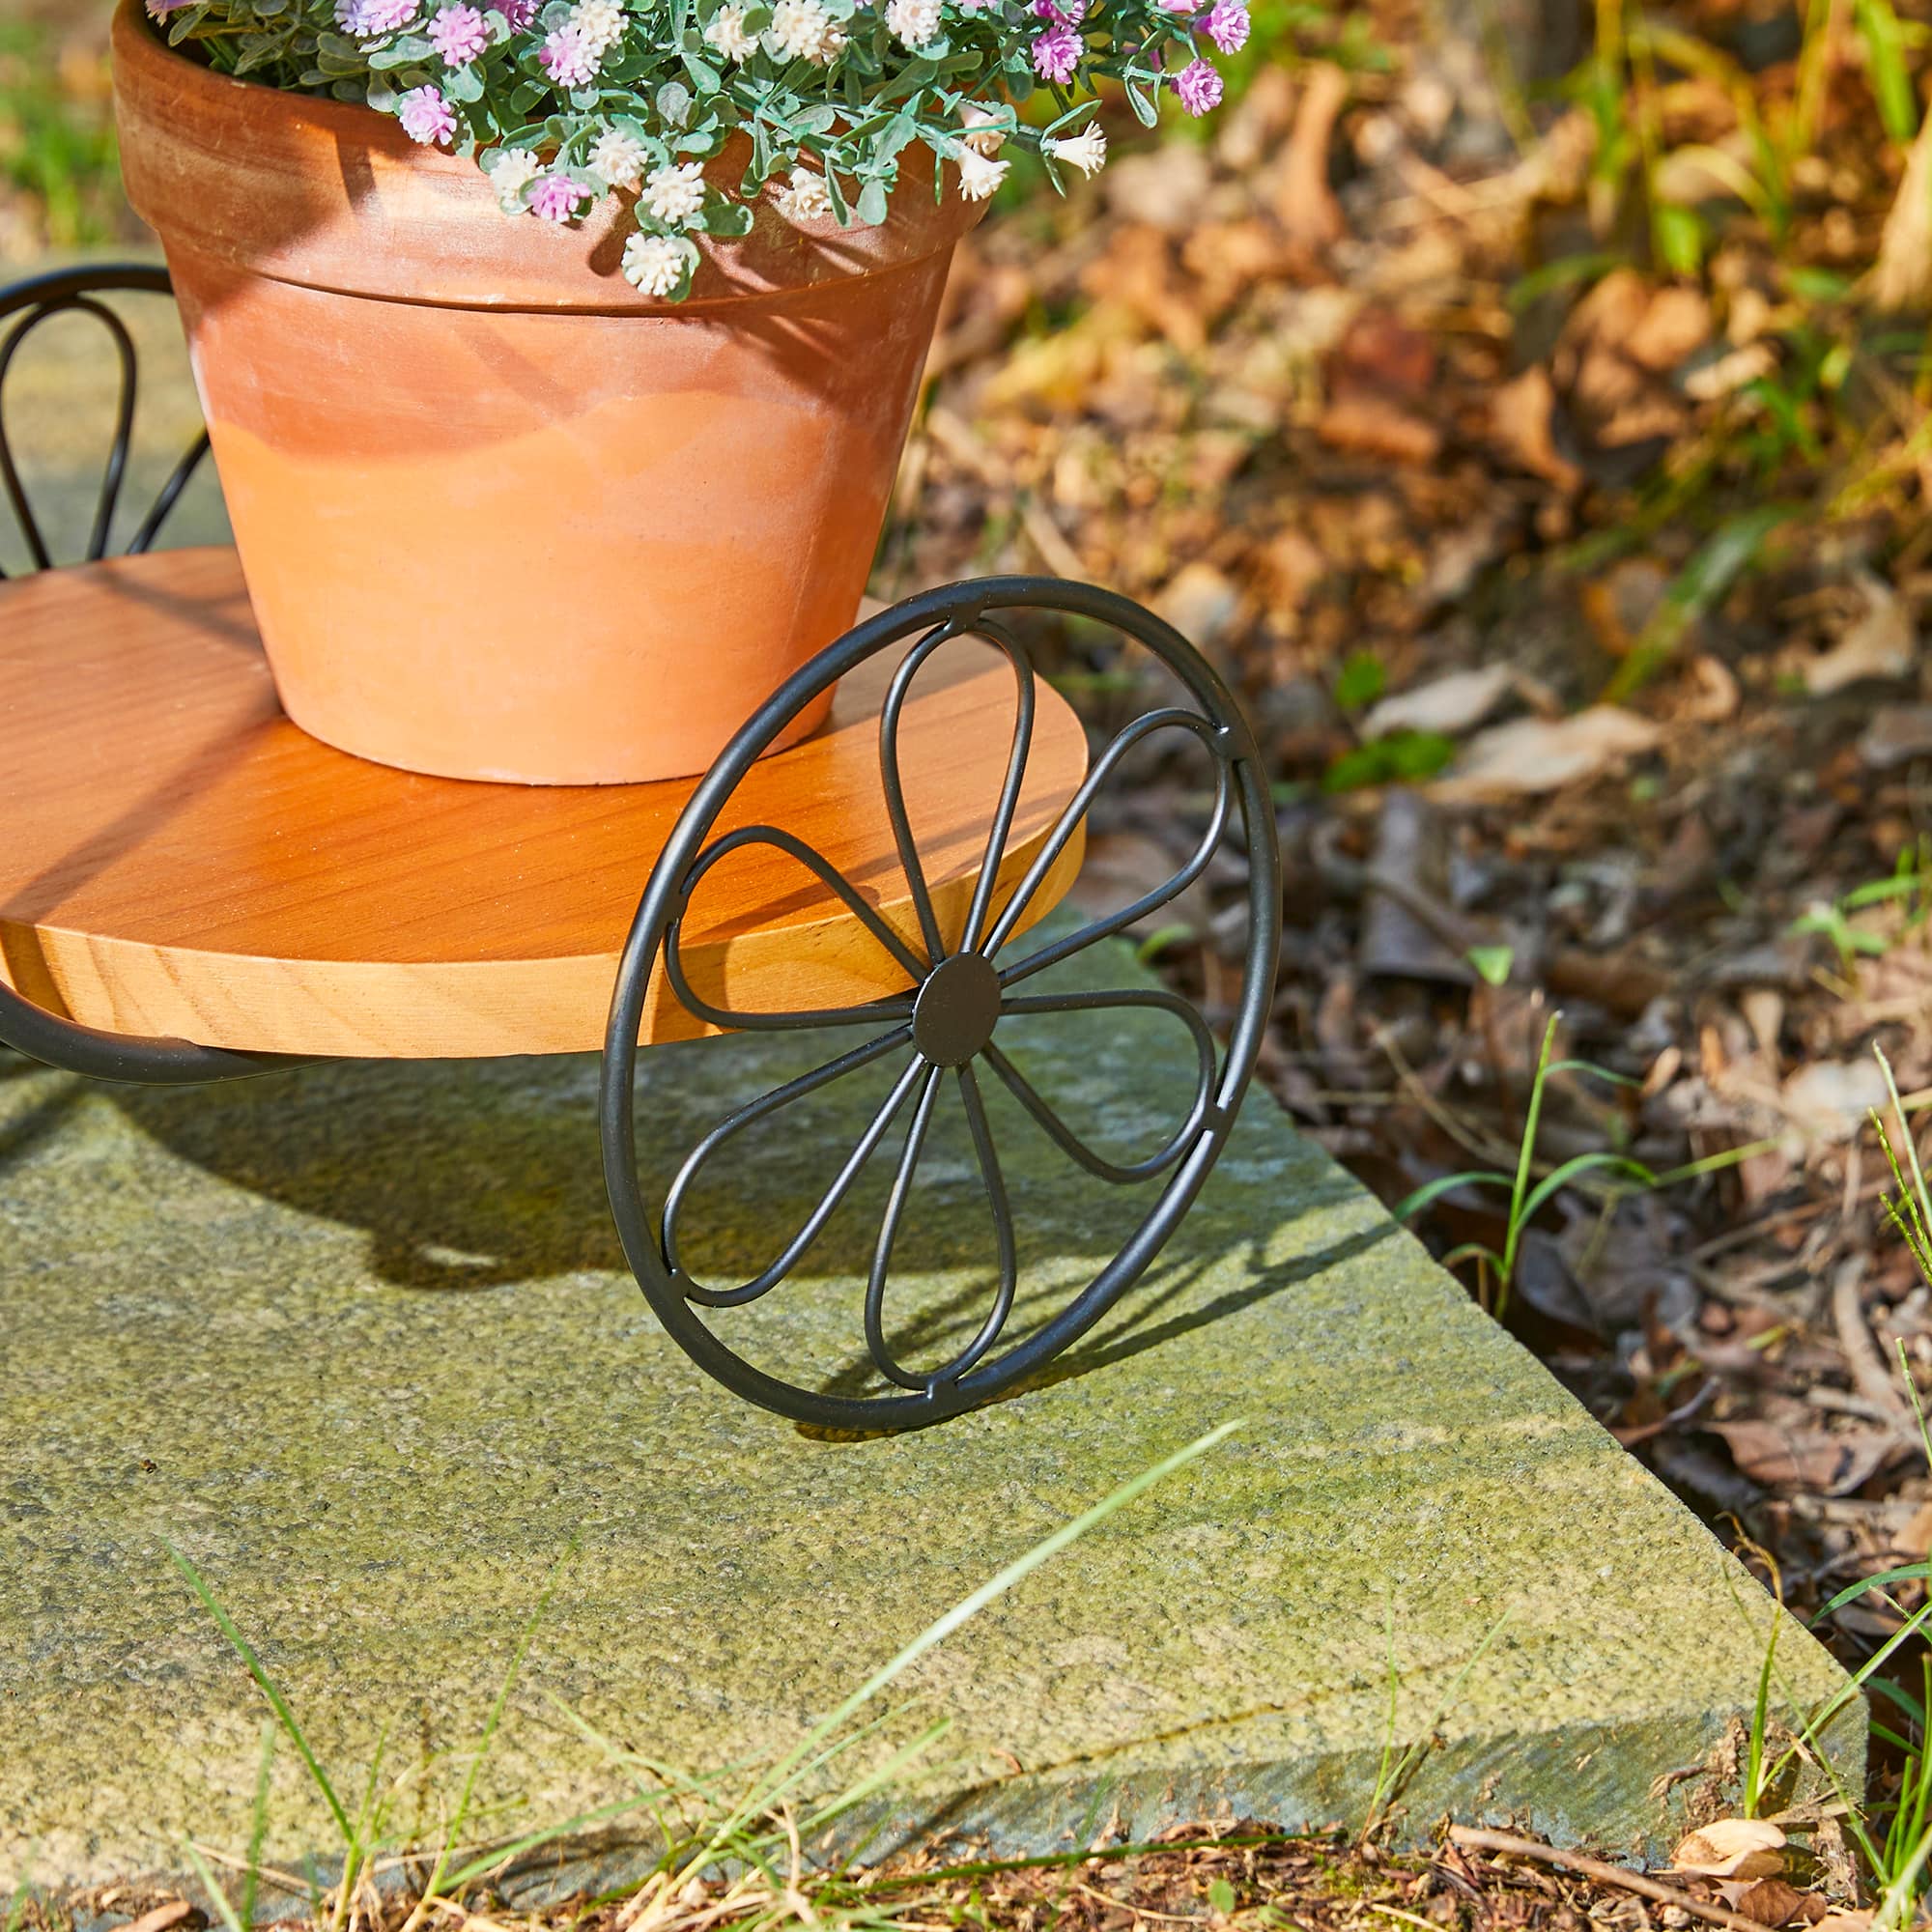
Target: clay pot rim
{"x":732,"y":273}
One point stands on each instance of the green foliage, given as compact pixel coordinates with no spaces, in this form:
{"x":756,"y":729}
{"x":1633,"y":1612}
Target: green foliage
{"x":840,"y":90}
{"x":1402,"y":757}
{"x":1909,"y":888}
{"x":1527,"y":1197}
{"x":57,"y":136}
{"x":1360,"y":681}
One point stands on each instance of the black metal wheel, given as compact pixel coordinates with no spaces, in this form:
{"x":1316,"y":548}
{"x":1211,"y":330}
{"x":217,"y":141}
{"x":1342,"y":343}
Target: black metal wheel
{"x":26,"y":306}
{"x":941,"y":1034}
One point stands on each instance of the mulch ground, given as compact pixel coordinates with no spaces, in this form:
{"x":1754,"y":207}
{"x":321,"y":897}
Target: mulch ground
{"x":1242,"y":1875}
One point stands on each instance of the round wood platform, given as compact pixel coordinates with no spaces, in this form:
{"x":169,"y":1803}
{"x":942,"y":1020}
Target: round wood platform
{"x":176,"y":858}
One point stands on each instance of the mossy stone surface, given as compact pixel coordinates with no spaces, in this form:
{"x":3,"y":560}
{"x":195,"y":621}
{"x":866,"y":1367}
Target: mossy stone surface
{"x":358,"y":1341}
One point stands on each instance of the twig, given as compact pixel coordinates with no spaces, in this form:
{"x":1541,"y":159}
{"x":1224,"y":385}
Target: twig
{"x":1139,"y":1912}
{"x":1862,"y":1356}
{"x":1471,"y":1839}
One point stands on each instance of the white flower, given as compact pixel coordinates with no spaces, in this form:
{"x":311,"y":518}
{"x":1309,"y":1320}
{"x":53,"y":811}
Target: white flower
{"x":803,"y":197}
{"x":617,"y":159}
{"x":802,"y":30}
{"x":914,"y":23}
{"x":983,"y":133}
{"x":727,"y":36}
{"x":601,"y":22}
{"x":511,"y":170}
{"x":653,"y":264}
{"x":979,"y":175}
{"x":1086,"y":151}
{"x":675,"y":194}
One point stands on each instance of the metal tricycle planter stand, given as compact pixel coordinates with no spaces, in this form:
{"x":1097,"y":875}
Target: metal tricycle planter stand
{"x":199,"y":892}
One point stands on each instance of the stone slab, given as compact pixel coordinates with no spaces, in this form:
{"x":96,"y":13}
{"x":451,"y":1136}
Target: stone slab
{"x":357,"y":1339}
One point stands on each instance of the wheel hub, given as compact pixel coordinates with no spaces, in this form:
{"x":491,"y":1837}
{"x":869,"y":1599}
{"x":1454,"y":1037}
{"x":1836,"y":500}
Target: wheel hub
{"x":957,"y":1009}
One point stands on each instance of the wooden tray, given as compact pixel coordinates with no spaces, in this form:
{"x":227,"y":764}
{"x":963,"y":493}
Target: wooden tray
{"x":177,"y":858}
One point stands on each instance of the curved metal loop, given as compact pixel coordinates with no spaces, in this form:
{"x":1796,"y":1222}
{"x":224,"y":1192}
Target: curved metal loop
{"x":179,"y":479}
{"x":828,"y":875}
{"x":896,"y":693}
{"x":761,"y":1109}
{"x":124,"y":424}
{"x":1200,"y":1113}
{"x":889,"y":1233}
{"x":24,"y":1026}
{"x":1005,"y":1244}
{"x":1025,"y":699}
{"x":77,"y":290}
{"x":1171,"y":719}
{"x":963,"y":1364}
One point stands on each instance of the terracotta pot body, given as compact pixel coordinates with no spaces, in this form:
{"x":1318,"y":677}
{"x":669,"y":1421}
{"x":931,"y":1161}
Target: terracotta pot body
{"x":501,"y":516}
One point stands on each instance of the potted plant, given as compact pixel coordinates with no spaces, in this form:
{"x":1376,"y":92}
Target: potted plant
{"x":557,"y":357}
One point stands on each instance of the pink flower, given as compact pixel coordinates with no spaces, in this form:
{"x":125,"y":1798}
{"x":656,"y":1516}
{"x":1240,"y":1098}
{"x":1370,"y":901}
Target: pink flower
{"x":425,"y":115}
{"x":1178,"y":6}
{"x":518,"y":13}
{"x":459,"y":34}
{"x":1198,"y":85}
{"x":555,"y":198}
{"x":370,"y":18}
{"x":1056,"y":54}
{"x":569,"y":59}
{"x":1227,"y":25}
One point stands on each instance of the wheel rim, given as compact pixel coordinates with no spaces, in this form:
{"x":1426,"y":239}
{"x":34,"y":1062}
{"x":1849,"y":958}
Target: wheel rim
{"x":946,"y":1022}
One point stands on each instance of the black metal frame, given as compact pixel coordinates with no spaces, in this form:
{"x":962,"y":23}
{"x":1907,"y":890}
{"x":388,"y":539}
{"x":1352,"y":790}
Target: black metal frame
{"x":958,"y":993}
{"x":948,"y":1020}
{"x":23,"y":1026}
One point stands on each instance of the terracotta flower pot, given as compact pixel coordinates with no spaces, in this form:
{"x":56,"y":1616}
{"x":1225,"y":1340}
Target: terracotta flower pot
{"x":501,"y":516}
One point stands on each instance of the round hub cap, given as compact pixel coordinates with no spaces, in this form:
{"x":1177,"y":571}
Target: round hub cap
{"x":957,"y":1009}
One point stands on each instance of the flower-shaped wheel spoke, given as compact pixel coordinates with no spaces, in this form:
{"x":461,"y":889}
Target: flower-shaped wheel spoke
{"x":762,"y":1109}
{"x":1075,"y":814}
{"x":962,"y":991}
{"x":1002,"y":1228}
{"x":828,"y":875}
{"x":1201,"y":1115}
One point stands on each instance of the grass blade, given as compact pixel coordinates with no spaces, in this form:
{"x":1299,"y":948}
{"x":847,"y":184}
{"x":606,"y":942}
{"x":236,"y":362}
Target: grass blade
{"x":216,"y":1897}
{"x":278,"y":1703}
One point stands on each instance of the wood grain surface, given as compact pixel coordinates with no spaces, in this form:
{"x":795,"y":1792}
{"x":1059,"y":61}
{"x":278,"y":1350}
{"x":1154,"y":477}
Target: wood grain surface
{"x":181,"y":860}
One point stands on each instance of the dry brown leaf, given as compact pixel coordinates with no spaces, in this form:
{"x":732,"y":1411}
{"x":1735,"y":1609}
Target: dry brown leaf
{"x":1384,"y":356}
{"x":1200,"y":603}
{"x":1831,"y":1099}
{"x":1718,"y":1849}
{"x":1881,"y":642}
{"x":1450,"y":705}
{"x":1304,"y":204}
{"x":1768,"y":1900}
{"x":1798,"y":1456}
{"x":1369,"y":426}
{"x":1716,"y":696}
{"x":1675,"y":325}
{"x":1897,"y":735}
{"x":1902,"y":276}
{"x":1163,"y":189}
{"x":1519,"y":419}
{"x":1844,"y":1921}
{"x":1537,"y":755}
{"x":161,"y":1918}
